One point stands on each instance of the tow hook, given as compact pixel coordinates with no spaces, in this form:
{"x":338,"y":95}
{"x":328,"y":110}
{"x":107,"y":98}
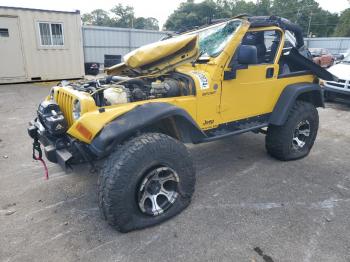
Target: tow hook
{"x":38,"y":156}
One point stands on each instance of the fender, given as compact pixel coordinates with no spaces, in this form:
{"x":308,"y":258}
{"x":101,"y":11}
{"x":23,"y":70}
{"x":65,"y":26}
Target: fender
{"x":140,"y":118}
{"x":302,"y":91}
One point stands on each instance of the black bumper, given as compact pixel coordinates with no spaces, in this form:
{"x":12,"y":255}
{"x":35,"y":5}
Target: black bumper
{"x":342,"y":95}
{"x":337,"y":91}
{"x":58,"y":150}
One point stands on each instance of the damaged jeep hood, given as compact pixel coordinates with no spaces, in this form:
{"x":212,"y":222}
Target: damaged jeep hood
{"x":159,"y":57}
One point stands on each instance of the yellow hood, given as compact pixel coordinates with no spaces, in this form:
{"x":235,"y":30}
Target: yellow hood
{"x":158,"y":57}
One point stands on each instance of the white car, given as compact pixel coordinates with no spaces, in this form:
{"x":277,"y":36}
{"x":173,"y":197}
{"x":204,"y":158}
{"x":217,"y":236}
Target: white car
{"x":341,"y":88}
{"x":347,"y":52}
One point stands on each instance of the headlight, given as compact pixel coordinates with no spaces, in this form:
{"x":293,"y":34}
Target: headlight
{"x":76,"y":109}
{"x":52,"y":93}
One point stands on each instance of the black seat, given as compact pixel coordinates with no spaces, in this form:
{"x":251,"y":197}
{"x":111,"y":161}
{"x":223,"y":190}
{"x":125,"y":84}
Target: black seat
{"x":256,"y":39}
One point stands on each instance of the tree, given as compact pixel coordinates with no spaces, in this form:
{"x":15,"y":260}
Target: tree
{"x":306,"y":13}
{"x":238,"y":7}
{"x":148,"y":23}
{"x":263,"y":7}
{"x":191,"y":14}
{"x":343,"y":27}
{"x":124,"y":16}
{"x":97,"y":17}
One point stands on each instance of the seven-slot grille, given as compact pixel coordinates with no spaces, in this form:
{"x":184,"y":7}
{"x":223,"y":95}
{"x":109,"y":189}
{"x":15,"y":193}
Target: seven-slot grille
{"x":340,"y":84}
{"x":65,"y":101}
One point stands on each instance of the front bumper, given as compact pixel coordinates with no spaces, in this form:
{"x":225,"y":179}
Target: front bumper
{"x":62,"y":150}
{"x":337,"y":93}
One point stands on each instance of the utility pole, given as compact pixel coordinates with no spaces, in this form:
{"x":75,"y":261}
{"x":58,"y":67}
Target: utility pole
{"x":298,"y":12}
{"x":308,"y":29}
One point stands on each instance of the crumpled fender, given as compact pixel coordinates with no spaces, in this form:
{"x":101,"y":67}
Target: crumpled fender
{"x":141,"y":117}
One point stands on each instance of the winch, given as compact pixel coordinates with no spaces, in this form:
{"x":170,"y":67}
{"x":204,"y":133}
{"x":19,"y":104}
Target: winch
{"x":51,"y":116}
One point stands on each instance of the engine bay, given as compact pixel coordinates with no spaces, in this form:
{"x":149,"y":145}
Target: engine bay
{"x":113,"y":90}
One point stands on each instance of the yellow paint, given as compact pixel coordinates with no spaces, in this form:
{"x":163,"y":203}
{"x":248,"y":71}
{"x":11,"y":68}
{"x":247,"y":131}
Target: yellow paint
{"x":155,"y":51}
{"x":94,"y":121}
{"x":251,"y":93}
{"x":217,"y":101}
{"x":177,"y":50}
{"x":65,"y":97}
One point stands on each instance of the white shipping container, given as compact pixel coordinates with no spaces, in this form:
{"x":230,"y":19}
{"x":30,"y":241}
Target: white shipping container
{"x":40,"y":45}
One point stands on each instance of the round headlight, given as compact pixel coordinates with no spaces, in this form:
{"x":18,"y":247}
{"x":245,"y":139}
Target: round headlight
{"x":76,"y":109}
{"x":52,"y":93}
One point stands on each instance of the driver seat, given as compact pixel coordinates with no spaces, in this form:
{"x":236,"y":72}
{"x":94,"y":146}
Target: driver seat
{"x":256,"y":39}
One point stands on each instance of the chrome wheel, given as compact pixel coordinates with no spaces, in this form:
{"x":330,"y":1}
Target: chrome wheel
{"x":301,"y":134}
{"x":158,"y":191}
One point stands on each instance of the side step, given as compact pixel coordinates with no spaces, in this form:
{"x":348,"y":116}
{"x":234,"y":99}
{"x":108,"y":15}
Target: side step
{"x":237,"y":127}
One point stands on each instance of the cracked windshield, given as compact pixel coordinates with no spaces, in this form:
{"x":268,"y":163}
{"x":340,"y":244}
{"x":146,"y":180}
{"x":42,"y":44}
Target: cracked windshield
{"x":214,"y":39}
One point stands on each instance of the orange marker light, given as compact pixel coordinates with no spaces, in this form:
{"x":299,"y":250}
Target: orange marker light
{"x":84,"y":131}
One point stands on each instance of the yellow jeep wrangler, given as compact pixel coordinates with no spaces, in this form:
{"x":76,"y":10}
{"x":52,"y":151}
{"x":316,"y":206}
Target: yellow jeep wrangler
{"x":238,"y":75}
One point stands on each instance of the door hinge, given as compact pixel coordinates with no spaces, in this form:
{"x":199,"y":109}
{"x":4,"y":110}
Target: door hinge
{"x":222,"y":108}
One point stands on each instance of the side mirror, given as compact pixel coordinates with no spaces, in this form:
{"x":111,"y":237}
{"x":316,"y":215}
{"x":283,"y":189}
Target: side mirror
{"x":247,"y":55}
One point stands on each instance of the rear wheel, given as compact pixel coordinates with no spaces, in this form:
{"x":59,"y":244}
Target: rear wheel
{"x":295,"y":138}
{"x":146,"y":181}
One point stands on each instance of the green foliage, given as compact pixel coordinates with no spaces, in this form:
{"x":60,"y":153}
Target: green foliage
{"x":149,"y":23}
{"x":343,"y":27}
{"x":123,"y":16}
{"x":97,"y":17}
{"x":120,"y":16}
{"x":306,"y":13}
{"x":191,"y":14}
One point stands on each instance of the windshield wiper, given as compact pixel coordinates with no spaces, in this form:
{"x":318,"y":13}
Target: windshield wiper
{"x":198,"y":58}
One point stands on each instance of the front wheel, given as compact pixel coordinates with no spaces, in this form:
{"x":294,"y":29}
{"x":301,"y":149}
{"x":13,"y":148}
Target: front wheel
{"x":295,"y":138}
{"x":146,"y":181}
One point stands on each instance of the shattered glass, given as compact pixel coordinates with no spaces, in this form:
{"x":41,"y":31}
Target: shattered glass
{"x":213,"y":40}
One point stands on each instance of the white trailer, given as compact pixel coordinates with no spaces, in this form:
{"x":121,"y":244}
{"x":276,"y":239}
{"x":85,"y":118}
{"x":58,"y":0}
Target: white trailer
{"x":40,"y":45}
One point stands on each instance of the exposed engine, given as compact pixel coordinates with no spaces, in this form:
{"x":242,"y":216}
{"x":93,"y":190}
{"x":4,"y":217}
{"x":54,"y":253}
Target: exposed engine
{"x":114,"y":90}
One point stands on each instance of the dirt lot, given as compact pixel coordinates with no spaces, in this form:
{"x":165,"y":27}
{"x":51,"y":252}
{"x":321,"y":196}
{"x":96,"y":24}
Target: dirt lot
{"x":247,"y":206}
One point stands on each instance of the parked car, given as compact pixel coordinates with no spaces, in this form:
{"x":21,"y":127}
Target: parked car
{"x":346,"y":53}
{"x":338,"y":57}
{"x":322,"y":57}
{"x":339,"y":89}
{"x":92,"y":68}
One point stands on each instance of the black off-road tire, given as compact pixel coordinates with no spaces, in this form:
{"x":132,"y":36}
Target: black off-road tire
{"x":279,"y":139}
{"x":120,"y":178}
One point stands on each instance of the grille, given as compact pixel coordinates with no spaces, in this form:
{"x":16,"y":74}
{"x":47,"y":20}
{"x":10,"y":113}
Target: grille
{"x":340,"y":84}
{"x":65,"y":101}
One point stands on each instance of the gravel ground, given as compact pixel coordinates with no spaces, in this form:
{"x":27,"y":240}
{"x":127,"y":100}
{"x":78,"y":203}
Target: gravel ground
{"x":247,"y":206}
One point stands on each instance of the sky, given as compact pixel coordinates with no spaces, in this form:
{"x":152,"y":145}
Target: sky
{"x":159,"y":9}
